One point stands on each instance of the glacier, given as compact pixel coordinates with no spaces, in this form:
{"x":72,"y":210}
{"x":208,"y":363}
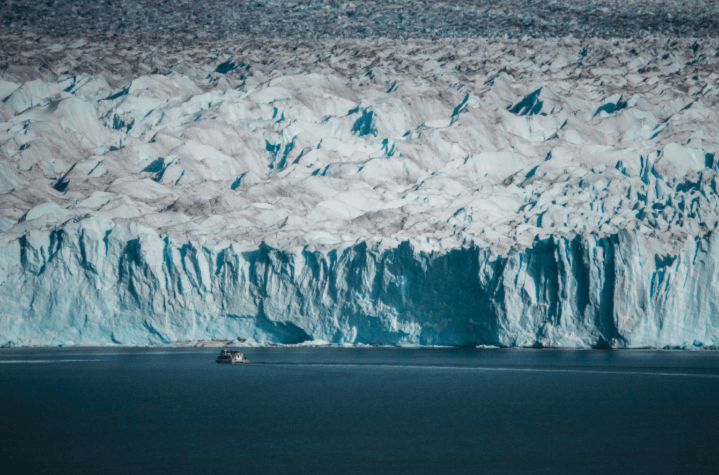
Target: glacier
{"x":392,"y":176}
{"x":135,"y":287}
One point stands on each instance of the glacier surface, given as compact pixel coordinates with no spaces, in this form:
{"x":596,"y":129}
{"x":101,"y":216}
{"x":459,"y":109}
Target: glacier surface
{"x":370,"y":173}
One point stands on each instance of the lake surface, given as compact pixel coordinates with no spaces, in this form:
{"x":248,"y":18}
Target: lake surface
{"x":369,"y":411}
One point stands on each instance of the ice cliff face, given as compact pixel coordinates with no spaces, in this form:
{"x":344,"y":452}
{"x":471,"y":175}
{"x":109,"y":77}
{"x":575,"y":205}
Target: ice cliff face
{"x":126,"y":284}
{"x":553,"y":191}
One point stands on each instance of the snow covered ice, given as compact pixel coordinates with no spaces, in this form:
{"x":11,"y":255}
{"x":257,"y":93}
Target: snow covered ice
{"x":436,"y":173}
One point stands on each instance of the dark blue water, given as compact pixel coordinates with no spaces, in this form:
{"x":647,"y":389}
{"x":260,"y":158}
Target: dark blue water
{"x":370,"y":411}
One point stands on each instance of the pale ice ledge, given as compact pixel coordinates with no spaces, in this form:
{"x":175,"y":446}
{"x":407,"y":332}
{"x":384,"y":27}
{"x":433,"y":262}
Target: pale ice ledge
{"x":512,"y":193}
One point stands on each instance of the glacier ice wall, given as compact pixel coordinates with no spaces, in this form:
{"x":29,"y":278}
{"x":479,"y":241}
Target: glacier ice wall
{"x":373,"y":172}
{"x":98,"y":282}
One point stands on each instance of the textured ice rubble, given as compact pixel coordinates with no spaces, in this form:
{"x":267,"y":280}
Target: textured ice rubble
{"x":451,"y":192}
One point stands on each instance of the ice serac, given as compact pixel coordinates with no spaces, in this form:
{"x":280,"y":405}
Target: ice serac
{"x":438,"y":188}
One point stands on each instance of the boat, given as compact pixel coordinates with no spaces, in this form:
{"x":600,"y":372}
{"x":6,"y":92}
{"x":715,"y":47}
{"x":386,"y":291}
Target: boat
{"x":231,"y":357}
